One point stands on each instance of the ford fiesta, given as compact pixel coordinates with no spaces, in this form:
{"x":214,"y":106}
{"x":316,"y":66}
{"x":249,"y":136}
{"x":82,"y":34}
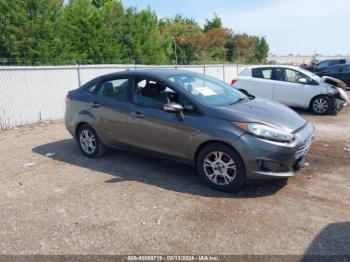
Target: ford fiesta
{"x":229,"y":137}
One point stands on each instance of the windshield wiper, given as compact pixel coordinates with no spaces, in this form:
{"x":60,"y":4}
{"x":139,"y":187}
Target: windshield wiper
{"x":239,"y":100}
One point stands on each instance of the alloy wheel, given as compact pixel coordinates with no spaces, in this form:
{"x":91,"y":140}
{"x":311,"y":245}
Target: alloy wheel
{"x":220,"y":168}
{"x":88,"y":141}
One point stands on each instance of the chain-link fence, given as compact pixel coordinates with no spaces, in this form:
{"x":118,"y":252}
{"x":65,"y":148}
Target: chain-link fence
{"x":36,"y":93}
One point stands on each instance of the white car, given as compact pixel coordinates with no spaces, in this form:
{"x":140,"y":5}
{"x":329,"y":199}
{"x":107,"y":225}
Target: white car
{"x":292,"y":86}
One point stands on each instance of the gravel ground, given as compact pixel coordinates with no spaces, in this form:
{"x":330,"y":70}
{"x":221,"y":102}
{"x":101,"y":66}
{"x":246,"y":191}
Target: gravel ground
{"x":127,"y":203}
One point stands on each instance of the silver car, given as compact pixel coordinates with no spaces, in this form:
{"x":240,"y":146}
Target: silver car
{"x":231,"y":138}
{"x":292,"y":86}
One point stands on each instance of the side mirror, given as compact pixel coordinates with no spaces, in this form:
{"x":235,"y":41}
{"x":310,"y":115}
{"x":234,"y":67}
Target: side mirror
{"x":175,"y":108}
{"x":302,"y":80}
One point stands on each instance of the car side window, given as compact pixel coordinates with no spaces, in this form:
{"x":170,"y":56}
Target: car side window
{"x":263,"y":73}
{"x":116,"y":89}
{"x":334,"y":62}
{"x":336,"y":69}
{"x":290,"y":75}
{"x":333,"y":70}
{"x":152,"y":94}
{"x":322,"y":65}
{"x":189,"y":108}
{"x":346,"y":69}
{"x":91,"y":88}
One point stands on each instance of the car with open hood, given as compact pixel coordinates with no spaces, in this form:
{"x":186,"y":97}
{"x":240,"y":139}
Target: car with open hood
{"x":231,"y":138}
{"x":292,"y":86}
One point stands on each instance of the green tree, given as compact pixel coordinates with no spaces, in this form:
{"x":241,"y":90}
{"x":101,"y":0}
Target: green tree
{"x":262,"y":50}
{"x":100,"y":3}
{"x":211,"y":46}
{"x":214,"y":23}
{"x":40,"y":32}
{"x":29,"y":31}
{"x":183,"y":33}
{"x":142,"y":39}
{"x":87,"y":38}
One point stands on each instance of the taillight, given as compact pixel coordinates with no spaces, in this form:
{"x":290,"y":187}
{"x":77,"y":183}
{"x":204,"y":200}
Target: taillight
{"x":233,"y":81}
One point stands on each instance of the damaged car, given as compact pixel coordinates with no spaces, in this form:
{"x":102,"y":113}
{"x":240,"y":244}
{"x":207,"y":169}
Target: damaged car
{"x":292,"y":86}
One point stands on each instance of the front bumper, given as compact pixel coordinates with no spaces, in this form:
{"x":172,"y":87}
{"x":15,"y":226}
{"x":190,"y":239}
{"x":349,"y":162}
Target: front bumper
{"x":339,"y":100}
{"x":269,"y":160}
{"x":338,"y":104}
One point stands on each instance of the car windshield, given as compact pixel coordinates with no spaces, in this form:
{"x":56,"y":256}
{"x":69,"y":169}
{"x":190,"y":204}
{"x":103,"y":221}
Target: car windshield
{"x":208,"y":90}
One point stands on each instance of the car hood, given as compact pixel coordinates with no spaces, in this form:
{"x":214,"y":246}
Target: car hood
{"x":334,"y":81}
{"x":261,"y":111}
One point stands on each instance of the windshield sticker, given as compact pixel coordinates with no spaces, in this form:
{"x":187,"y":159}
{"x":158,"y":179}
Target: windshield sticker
{"x":205,"y":91}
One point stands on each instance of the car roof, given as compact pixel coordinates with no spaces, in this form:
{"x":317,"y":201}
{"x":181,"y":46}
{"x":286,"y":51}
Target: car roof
{"x":339,"y":65}
{"x":153,"y":73}
{"x":337,"y":59}
{"x":274,"y":66}
{"x":161,"y":74}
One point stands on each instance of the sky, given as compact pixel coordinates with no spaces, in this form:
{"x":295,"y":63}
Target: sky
{"x":300,"y":27}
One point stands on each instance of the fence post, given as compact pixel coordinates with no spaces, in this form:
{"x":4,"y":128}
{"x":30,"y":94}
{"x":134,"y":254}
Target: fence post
{"x":204,"y":69}
{"x":78,"y":73}
{"x":223,"y":73}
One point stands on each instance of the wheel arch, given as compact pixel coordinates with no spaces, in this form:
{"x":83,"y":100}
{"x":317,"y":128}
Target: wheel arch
{"x":78,"y":126}
{"x":316,"y":96}
{"x":209,"y":142}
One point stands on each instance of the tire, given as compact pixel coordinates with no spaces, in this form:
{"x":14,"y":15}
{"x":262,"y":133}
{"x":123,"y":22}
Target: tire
{"x":89,"y":142}
{"x":229,"y":175}
{"x":321,"y":105}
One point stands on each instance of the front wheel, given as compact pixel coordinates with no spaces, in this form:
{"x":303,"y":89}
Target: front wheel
{"x":221,"y":167}
{"x":321,"y":105}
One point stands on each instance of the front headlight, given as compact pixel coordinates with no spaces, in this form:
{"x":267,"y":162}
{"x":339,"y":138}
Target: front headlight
{"x":266,"y":132}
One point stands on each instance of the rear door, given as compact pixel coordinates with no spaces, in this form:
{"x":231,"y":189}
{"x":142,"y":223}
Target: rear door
{"x":111,"y":108}
{"x":262,"y":82}
{"x":289,"y":91}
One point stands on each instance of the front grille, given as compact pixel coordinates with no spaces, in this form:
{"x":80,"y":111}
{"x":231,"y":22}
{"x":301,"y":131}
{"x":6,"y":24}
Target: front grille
{"x":304,"y":148}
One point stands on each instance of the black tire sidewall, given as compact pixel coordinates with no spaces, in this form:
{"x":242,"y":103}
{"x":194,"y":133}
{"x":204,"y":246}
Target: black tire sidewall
{"x":328,"y":101}
{"x":241,"y":171}
{"x":98,"y":142}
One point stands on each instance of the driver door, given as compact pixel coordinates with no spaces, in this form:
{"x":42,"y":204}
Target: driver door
{"x":150,"y":127}
{"x":289,"y":91}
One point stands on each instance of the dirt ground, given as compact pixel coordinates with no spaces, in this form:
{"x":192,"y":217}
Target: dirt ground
{"x":127,"y":203}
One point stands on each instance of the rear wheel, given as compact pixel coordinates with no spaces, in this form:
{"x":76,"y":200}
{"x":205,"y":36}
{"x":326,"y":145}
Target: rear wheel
{"x":321,"y":105}
{"x":221,"y":167}
{"x":89,"y":142}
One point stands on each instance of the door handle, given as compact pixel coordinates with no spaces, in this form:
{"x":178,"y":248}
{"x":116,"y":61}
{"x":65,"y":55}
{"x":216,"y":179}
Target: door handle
{"x":138,"y":114}
{"x":94,"y":104}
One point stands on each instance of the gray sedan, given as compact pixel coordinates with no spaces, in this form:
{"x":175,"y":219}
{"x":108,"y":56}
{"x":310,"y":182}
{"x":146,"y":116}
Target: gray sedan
{"x":228,"y":136}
